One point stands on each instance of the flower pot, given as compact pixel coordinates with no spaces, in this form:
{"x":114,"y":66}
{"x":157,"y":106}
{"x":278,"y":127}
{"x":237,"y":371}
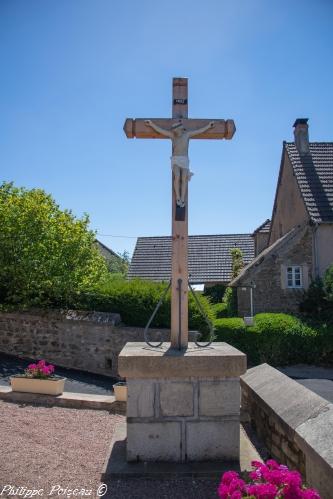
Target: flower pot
{"x":120,"y":391}
{"x":51,"y":386}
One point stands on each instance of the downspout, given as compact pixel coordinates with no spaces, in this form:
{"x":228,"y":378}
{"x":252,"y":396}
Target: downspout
{"x":251,"y":298}
{"x":315,"y":250}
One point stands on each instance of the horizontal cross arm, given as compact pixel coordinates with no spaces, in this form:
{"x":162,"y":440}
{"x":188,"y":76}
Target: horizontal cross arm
{"x":222,"y":129}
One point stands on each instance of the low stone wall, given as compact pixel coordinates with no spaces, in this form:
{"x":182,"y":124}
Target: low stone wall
{"x":295,"y":424}
{"x":80,"y":340}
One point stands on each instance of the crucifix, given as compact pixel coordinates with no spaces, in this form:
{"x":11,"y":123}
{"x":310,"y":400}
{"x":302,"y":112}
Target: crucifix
{"x":180,"y":129}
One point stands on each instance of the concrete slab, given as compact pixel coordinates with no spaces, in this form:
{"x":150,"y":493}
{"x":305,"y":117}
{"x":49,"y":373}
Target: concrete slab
{"x":314,"y":437}
{"x":138,"y":360}
{"x":293,"y":403}
{"x":67,"y":399}
{"x":116,"y":466}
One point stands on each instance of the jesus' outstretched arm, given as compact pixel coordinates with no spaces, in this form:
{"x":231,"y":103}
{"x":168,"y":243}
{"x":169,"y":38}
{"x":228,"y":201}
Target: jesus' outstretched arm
{"x":158,"y":129}
{"x":201,"y":130}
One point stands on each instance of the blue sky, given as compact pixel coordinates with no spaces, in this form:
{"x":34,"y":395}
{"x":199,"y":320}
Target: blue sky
{"x":73,"y":70}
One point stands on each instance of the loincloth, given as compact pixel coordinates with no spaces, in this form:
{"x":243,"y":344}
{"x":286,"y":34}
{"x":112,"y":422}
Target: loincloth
{"x":181,"y":163}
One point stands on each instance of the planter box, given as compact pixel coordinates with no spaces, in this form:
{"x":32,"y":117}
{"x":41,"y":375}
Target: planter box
{"x":120,"y":391}
{"x":51,"y":386}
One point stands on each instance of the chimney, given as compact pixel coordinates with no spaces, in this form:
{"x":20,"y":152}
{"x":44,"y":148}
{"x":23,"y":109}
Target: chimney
{"x":301,"y":134}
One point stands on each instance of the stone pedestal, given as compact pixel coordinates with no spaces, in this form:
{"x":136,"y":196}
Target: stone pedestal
{"x":182,"y":405}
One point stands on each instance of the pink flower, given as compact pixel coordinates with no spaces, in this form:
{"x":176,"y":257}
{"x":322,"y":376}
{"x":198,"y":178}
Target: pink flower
{"x":293,"y":479}
{"x":40,"y":370}
{"x":236,"y":484}
{"x":266,"y":491}
{"x":269,"y":481}
{"x":277,"y":477}
{"x":223,"y":491}
{"x":273,"y":465}
{"x":229,"y":476}
{"x":236,"y":495}
{"x":310,"y":494}
{"x":257,"y":464}
{"x":251,"y":490}
{"x":292,"y":493}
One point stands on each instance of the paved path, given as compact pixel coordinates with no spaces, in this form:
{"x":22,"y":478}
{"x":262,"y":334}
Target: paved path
{"x":317,"y":379}
{"x":77,"y":381}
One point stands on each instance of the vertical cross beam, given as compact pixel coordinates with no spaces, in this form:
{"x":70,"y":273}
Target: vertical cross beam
{"x":179,"y":285}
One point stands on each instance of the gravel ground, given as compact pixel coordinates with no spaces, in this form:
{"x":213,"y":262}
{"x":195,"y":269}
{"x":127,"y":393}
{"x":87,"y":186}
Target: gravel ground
{"x":163,"y":489}
{"x":43,"y":447}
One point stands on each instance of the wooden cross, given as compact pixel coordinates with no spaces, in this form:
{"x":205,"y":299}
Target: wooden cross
{"x":140,"y":128}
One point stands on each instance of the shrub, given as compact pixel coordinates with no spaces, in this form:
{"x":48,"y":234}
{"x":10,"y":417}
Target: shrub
{"x":314,"y":302}
{"x":136,"y":300}
{"x":215,"y":293}
{"x":230,"y":299}
{"x":278,"y":339}
{"x":233,"y":331}
{"x":46,"y":254}
{"x":230,"y":295}
{"x":220,"y":310}
{"x":119,"y":264}
{"x":328,"y":285}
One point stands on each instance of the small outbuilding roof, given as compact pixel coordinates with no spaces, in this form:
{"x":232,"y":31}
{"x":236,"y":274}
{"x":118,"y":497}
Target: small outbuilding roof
{"x":209,"y":257}
{"x":264,"y":228}
{"x":314,"y":174}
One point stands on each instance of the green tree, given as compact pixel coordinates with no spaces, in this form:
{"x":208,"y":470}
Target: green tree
{"x":237,"y":261}
{"x":119,"y":265}
{"x":328,"y":284}
{"x":230,"y":295}
{"x":47,"y":255}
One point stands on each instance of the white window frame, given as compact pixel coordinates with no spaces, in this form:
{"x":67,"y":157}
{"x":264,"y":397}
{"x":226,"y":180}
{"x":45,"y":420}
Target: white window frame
{"x":294,"y":277}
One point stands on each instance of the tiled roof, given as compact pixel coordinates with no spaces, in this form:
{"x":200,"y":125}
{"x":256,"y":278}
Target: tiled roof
{"x":264,"y":228}
{"x":273,"y":249}
{"x":314,"y":174}
{"x":209,"y":257}
{"x":105,"y":250}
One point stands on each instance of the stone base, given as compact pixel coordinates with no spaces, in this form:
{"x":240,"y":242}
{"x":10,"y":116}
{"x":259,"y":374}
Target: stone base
{"x":116,"y":465}
{"x":183,"y":406}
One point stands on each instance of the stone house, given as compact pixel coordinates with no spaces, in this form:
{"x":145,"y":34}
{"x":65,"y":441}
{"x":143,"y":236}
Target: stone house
{"x":107,"y":253}
{"x":297,"y":245}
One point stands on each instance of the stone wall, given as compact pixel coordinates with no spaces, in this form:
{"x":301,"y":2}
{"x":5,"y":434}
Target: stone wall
{"x":270,"y":293}
{"x":289,"y":208}
{"x":85,"y":340}
{"x":295,"y":424}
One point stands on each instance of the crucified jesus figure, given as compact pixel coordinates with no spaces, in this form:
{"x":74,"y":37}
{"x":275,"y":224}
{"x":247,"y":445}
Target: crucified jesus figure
{"x":180,"y":164}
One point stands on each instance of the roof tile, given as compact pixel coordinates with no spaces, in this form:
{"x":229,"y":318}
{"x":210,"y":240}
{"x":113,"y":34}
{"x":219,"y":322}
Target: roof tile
{"x":209,"y":257}
{"x":314,"y":174}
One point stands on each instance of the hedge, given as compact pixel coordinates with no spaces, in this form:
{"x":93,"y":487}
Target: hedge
{"x":136,"y":300}
{"x":278,"y":339}
{"x":220,"y":310}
